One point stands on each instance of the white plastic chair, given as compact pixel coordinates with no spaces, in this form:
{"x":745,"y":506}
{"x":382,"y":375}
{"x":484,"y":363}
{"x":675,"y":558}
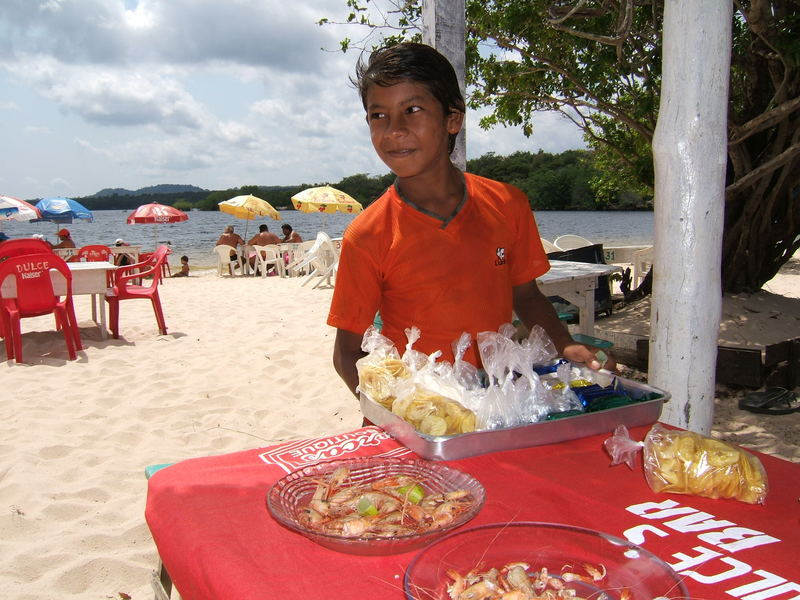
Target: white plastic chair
{"x":224,"y":258}
{"x":321,"y":260}
{"x":570,"y":242}
{"x":548,"y":246}
{"x":266,"y":256}
{"x":642,"y":261}
{"x":297,"y":266}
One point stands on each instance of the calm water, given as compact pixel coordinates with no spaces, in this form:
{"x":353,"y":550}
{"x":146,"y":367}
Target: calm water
{"x":197,"y":236}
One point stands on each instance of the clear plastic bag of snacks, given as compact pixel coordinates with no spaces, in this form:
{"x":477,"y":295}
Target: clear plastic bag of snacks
{"x":381,"y":369}
{"x":684,"y":462}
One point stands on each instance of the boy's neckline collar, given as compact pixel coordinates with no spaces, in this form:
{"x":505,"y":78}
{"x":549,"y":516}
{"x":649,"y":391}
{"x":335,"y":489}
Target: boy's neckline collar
{"x":444,"y":220}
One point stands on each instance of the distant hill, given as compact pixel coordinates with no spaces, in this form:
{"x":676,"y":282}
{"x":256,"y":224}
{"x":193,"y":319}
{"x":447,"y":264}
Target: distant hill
{"x":164,"y":188}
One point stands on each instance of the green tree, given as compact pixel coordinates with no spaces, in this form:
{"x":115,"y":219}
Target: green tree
{"x":598,"y":63}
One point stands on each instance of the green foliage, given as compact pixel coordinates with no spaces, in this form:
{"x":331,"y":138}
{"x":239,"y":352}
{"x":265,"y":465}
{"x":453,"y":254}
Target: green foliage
{"x":599,"y":64}
{"x":551,"y":181}
{"x":183,"y":205}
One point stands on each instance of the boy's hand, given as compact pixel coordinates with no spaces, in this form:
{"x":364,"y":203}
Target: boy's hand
{"x":593,"y":358}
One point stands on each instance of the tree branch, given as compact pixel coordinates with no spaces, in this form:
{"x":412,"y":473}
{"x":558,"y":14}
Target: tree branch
{"x":764,"y":169}
{"x":763,"y":121}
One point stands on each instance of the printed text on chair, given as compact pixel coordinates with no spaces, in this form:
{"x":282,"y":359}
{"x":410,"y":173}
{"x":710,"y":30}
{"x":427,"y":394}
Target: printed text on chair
{"x":26,"y":290}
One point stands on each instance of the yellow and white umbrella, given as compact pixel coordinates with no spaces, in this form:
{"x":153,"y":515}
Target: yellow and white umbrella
{"x":325,"y":199}
{"x":249,"y":207}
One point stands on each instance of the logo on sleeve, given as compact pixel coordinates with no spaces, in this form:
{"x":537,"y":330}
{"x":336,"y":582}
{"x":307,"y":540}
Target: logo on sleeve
{"x":501,"y":257}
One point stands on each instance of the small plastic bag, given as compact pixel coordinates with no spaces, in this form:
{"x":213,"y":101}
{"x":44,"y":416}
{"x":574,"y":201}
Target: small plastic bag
{"x":684,"y":462}
{"x":414,"y":359}
{"x":541,"y":347}
{"x":464,"y":371}
{"x":381,"y":369}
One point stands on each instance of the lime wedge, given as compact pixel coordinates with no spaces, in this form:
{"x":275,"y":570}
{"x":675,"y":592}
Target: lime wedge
{"x":366,"y":507}
{"x":414,"y":493}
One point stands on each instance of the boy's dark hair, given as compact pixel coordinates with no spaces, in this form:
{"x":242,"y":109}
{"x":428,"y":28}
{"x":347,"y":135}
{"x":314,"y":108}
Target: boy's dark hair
{"x":286,"y":226}
{"x":184,"y":258}
{"x":412,"y":62}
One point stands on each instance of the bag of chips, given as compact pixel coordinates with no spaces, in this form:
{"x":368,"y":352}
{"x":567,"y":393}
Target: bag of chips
{"x":684,"y":462}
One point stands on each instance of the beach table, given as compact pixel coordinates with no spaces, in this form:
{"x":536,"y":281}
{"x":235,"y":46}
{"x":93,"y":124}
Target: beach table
{"x":216,"y":538}
{"x":88,"y":278}
{"x":132,"y":251}
{"x":576,"y":283}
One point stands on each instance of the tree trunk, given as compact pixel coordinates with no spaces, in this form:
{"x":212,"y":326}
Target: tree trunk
{"x":690,"y":148}
{"x":444,"y":28}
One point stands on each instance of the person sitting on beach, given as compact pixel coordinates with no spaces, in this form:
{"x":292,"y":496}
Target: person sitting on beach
{"x":184,"y":272}
{"x":290,"y":236}
{"x":264,"y":237}
{"x":122,"y":259}
{"x":229,"y":238}
{"x":64,"y":239}
{"x":414,"y":254}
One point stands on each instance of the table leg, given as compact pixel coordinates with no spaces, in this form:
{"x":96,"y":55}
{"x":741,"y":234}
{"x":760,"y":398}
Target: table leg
{"x":586,"y":313}
{"x":94,"y":308}
{"x":102,"y":309}
{"x":584,"y":300}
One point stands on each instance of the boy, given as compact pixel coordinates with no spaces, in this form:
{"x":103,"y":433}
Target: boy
{"x":446,"y":251}
{"x":184,"y":272}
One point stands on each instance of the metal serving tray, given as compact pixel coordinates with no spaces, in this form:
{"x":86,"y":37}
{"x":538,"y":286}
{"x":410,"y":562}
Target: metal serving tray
{"x":453,"y":447}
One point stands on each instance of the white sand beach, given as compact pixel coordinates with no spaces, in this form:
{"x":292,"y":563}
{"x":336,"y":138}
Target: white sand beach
{"x":246,"y":363}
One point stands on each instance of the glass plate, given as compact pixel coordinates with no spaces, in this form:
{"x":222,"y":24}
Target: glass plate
{"x":559,"y":548}
{"x":288,"y":496}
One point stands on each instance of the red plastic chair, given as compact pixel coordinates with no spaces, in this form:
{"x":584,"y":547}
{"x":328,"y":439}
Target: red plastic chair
{"x":20,"y":246}
{"x":35,"y":297}
{"x":124,"y":288}
{"x":165,"y":270}
{"x":94,"y":253}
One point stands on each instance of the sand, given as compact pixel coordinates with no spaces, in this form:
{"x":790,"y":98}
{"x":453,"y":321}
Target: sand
{"x":246,"y":363}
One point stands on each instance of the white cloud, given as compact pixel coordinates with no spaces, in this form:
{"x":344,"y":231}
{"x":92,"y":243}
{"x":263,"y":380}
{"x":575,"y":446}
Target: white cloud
{"x":219,"y":93}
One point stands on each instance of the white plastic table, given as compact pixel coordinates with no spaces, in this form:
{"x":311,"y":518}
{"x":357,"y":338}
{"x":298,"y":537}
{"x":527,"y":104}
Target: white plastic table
{"x":576,"y":282}
{"x":87,"y":278}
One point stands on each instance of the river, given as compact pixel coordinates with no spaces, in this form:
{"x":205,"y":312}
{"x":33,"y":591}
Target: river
{"x":197,"y":236}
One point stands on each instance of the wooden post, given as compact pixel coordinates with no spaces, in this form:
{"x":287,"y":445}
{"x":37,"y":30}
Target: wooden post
{"x":444,"y":28}
{"x":690,"y":153}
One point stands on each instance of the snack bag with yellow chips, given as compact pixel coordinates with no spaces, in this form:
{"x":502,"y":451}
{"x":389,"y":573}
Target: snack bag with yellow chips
{"x":381,"y":369}
{"x":432,"y":413}
{"x":685,"y":462}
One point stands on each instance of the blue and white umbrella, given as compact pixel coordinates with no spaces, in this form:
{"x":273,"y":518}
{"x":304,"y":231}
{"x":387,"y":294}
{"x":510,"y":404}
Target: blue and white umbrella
{"x":63,"y":210}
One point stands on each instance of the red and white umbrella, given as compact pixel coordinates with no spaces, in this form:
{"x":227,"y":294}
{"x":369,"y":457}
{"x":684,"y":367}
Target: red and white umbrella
{"x":25,"y":211}
{"x":156,"y":213}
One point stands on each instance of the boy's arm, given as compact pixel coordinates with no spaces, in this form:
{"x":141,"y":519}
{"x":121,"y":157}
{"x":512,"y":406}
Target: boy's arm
{"x":346,"y":351}
{"x":533,"y":308}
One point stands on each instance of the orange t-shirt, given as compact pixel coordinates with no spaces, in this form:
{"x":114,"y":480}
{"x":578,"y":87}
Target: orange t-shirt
{"x":443,"y":277}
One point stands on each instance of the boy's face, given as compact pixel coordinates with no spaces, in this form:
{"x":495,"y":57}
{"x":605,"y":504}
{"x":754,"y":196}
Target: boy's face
{"x":408,"y":127}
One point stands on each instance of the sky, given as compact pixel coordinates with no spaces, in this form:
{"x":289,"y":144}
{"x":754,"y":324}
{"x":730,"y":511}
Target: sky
{"x":214,"y":93}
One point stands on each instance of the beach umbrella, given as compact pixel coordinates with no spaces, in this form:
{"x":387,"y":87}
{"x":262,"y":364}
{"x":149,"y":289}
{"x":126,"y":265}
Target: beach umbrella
{"x":325,"y":199}
{"x":156,"y":213}
{"x":63,"y":210}
{"x":24,"y":211}
{"x":7,"y":210}
{"x":249,"y":207}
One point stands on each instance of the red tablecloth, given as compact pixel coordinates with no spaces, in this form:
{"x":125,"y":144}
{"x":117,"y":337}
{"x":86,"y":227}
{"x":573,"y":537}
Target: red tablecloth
{"x":218,"y":541}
